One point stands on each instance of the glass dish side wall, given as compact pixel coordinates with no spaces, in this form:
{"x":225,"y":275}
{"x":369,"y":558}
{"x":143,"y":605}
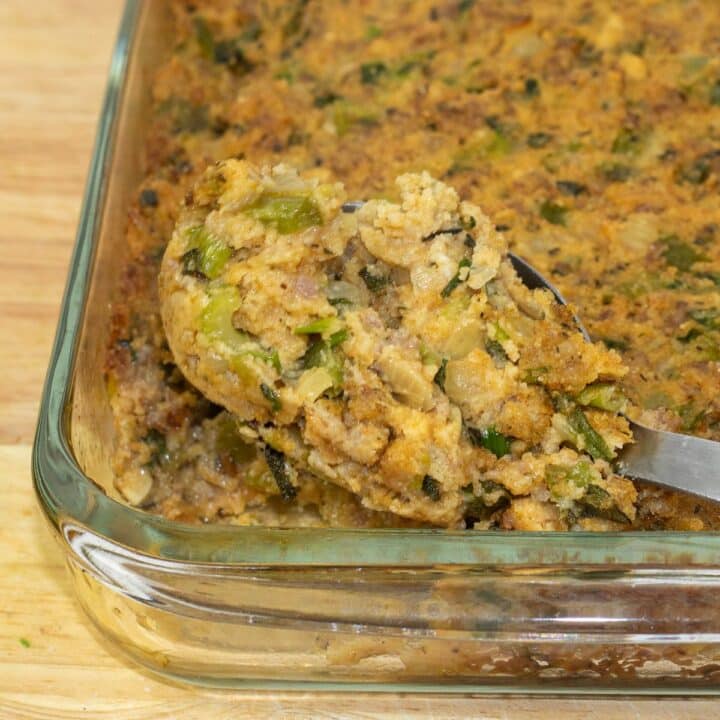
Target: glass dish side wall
{"x":386,"y":609}
{"x":462,"y":629}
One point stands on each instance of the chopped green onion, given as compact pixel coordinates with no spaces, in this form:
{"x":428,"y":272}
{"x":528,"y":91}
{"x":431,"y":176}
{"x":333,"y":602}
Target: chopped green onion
{"x":326,"y":98}
{"x":620,"y":344}
{"x":320,"y":354}
{"x":534,"y":376}
{"x":594,"y":442}
{"x":271,"y":396}
{"x":715,"y":93}
{"x":373,"y":282}
{"x":626,"y":142}
{"x":532,"y":88}
{"x":338,"y":338}
{"x":371,"y":72}
{"x":490,"y":439}
{"x":439,"y":378}
{"x":564,"y":481}
{"x":457,"y":278}
{"x":467,"y":222}
{"x":496,"y":351}
{"x":680,"y":254}
{"x":615,"y":172}
{"x":570,"y":187}
{"x":538,"y":140}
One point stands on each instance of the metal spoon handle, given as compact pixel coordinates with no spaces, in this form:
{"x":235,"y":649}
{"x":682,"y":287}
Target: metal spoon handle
{"x":677,"y":461}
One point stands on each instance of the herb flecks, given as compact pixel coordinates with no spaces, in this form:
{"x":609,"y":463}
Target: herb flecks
{"x":280,"y":470}
{"x":431,"y":488}
{"x":459,"y":277}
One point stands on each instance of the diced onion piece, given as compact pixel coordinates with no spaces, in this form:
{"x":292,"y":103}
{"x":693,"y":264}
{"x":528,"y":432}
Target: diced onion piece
{"x":135,"y":486}
{"x":406,"y":379}
{"x":342,"y":290}
{"x":465,"y":339}
{"x":313,"y":383}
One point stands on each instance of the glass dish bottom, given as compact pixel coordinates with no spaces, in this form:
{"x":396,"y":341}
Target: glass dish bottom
{"x":439,"y":630}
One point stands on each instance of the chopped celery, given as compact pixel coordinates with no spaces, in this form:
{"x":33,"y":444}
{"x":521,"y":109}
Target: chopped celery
{"x":578,"y":483}
{"x":536,"y":375}
{"x":206,"y":256}
{"x":326,"y":327}
{"x":216,"y":319}
{"x":286,"y":213}
{"x":490,"y":439}
{"x":570,"y":481}
{"x":271,"y":357}
{"x":439,"y":378}
{"x":204,"y":37}
{"x":500,"y":333}
{"x":229,"y":442}
{"x":604,"y":396}
{"x":216,"y":324}
{"x":429,"y":356}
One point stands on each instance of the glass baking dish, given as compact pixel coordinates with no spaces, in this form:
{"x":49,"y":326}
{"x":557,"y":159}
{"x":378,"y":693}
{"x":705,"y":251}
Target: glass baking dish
{"x":420,"y":610}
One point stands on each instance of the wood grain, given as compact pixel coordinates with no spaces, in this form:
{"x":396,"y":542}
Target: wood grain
{"x":53,"y":663}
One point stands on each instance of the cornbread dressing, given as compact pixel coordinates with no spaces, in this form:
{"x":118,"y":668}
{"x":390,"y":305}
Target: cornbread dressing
{"x":590,"y":134}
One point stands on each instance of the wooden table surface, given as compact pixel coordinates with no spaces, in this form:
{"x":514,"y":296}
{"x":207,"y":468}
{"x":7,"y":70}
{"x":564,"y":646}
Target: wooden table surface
{"x":53,"y":664}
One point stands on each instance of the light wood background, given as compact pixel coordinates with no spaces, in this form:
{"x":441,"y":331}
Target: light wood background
{"x":53,"y":664}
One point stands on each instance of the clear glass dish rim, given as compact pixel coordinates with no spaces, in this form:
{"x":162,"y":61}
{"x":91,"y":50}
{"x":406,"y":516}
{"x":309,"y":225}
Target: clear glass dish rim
{"x":68,"y":496}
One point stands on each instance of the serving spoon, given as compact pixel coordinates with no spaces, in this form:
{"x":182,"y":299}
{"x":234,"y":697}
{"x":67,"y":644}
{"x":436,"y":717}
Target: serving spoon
{"x":680,"y":462}
{"x":677,"y":461}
